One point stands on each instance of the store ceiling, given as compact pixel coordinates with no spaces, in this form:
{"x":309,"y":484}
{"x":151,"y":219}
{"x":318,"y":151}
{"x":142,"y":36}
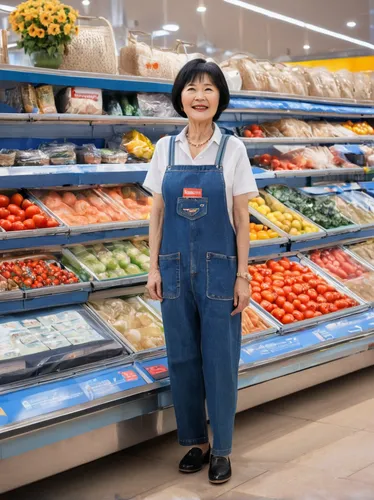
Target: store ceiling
{"x":224,"y":27}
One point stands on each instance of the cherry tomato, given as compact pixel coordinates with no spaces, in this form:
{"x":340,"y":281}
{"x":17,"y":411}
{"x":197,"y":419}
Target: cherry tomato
{"x":4,"y":201}
{"x":256,"y":297}
{"x":329,"y":296}
{"x":16,"y":199}
{"x":313,"y":283}
{"x":279,"y":291}
{"x":285,"y":263}
{"x":287,"y":289}
{"x":298,"y":315}
{"x":287,"y":319}
{"x":52,"y":223}
{"x":288,"y":307}
{"x":324,"y":308}
{"x":304,"y":299}
{"x":321,"y":289}
{"x":309,"y":314}
{"x":279,"y":283}
{"x":291,"y":297}
{"x":14,"y":209}
{"x":320,"y":299}
{"x":21,"y":215}
{"x":11,"y":218}
{"x":266,"y":305}
{"x":312,"y":294}
{"x":255,"y":289}
{"x":313,"y":306}
{"x":278,"y":313}
{"x":280,"y":301}
{"x":298,"y":289}
{"x":342,"y":304}
{"x":268,"y":296}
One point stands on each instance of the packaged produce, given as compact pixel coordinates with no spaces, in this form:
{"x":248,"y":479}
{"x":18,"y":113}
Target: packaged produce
{"x":305,"y":158}
{"x":81,"y":101}
{"x":261,"y":232}
{"x":113,"y":260}
{"x":250,"y":131}
{"x":130,"y":106}
{"x":13,"y":98}
{"x":88,"y":154}
{"x":133,"y":320}
{"x":113,"y":156}
{"x":364,"y":250}
{"x":362,"y":86}
{"x":284,"y":218}
{"x":322,"y":210}
{"x":291,"y":127}
{"x":252,"y":323}
{"x":323,"y":129}
{"x":356,"y":206}
{"x":359,"y":128}
{"x":339,"y":158}
{"x":7,"y":157}
{"x":133,"y":199}
{"x":158,"y":105}
{"x":81,"y":207}
{"x":322,"y":83}
{"x":368,"y":151}
{"x":112,"y":107}
{"x":18,"y":214}
{"x":255,"y":76}
{"x":345,"y":268}
{"x":46,"y":99}
{"x":293,"y":292}
{"x":31,"y":273}
{"x":31,"y":158}
{"x":29,"y":99}
{"x":345,"y":81}
{"x":60,"y":154}
{"x":137,"y":145}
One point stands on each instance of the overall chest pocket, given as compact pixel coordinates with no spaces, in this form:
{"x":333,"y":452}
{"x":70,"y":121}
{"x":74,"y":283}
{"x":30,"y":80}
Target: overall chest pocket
{"x":192,"y":208}
{"x":221,"y":276}
{"x":170,"y":275}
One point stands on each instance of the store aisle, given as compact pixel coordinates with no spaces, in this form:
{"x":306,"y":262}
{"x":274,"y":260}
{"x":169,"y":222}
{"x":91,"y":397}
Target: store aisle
{"x":315,"y":445}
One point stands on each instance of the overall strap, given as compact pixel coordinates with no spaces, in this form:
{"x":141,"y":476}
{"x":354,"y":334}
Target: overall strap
{"x":171,"y":161}
{"x":221,"y":150}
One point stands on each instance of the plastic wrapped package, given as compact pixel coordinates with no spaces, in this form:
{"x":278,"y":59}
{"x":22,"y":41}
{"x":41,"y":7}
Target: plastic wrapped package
{"x":270,"y":130}
{"x":7,"y":157}
{"x":357,"y":206}
{"x":364,"y":250}
{"x":81,"y":101}
{"x":339,"y":159}
{"x":339,"y":264}
{"x":130,"y":106}
{"x":46,"y":100}
{"x":13,"y":98}
{"x":322,"y":83}
{"x":343,"y":131}
{"x":362,"y":86}
{"x":60,"y":154}
{"x":88,"y":154}
{"x":81,"y":207}
{"x":369,"y":154}
{"x":113,"y":156}
{"x":252,"y":322}
{"x":317,"y":157}
{"x":271,"y":77}
{"x":158,"y":105}
{"x":133,"y":319}
{"x":296,"y":76}
{"x":346,"y":84}
{"x":233,"y":79}
{"x":323,"y":129}
{"x":32,"y":158}
{"x":254,"y":76}
{"x":113,"y":107}
{"x":133,"y":199}
{"x":29,"y":99}
{"x":137,"y":145}
{"x":291,"y":127}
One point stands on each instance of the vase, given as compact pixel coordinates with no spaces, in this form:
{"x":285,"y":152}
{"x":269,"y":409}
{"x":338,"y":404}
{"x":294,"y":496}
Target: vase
{"x":43,"y":60}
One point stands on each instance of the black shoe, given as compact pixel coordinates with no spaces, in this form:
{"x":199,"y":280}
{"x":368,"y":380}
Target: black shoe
{"x":194,"y":460}
{"x":219,"y":470}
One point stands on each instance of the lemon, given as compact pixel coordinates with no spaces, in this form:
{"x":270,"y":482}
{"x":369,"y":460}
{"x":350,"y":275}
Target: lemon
{"x":288,"y":216}
{"x":259,"y":227}
{"x":294,"y":231}
{"x":296,"y":224}
{"x":272,"y":234}
{"x":261,"y":201}
{"x":253,"y":236}
{"x":254,"y":205}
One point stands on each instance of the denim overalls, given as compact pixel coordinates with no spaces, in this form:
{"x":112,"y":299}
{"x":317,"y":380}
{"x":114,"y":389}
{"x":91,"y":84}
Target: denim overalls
{"x":198,"y":265}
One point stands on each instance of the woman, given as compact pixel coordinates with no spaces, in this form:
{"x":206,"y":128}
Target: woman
{"x":199,"y":239}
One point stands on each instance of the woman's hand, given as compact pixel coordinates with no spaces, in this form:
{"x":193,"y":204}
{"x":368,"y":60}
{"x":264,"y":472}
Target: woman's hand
{"x":242,"y":294}
{"x":154,"y":284}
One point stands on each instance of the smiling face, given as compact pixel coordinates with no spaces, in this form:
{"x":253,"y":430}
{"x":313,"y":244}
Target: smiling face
{"x":200,"y":99}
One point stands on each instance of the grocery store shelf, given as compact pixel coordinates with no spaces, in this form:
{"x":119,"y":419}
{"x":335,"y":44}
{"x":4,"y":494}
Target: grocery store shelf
{"x":302,"y":141}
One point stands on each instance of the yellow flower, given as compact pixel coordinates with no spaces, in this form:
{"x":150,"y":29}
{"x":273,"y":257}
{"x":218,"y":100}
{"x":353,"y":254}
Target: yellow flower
{"x":41,"y":33}
{"x":12,"y":16}
{"x":15,"y":27}
{"x":77,"y":30}
{"x":67,"y":29}
{"x":21,"y":27}
{"x":33,"y":30}
{"x":72,"y":17}
{"x":45,"y":18}
{"x":61,"y":16}
{"x":31,"y":14}
{"x":54,"y":29}
{"x":49,"y":7}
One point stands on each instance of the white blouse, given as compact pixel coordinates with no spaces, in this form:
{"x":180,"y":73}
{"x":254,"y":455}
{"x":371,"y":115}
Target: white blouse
{"x":237,"y":169}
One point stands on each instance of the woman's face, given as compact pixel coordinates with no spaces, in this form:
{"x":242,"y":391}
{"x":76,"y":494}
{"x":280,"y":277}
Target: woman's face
{"x":200,"y":99}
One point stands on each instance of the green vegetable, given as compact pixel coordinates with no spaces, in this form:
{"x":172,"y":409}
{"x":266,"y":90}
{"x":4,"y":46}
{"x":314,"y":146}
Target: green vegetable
{"x":133,"y":269}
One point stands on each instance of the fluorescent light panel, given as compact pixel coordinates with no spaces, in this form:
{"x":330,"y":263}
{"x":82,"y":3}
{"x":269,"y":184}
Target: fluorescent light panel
{"x":6,"y":8}
{"x":301,"y":24}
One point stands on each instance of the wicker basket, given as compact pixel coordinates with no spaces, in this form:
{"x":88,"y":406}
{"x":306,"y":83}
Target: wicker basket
{"x":93,"y":50}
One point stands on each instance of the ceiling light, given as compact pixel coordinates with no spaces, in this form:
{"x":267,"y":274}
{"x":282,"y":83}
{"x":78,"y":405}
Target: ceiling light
{"x":86,"y":3}
{"x":201,"y":8}
{"x":6,"y":8}
{"x":306,"y":47}
{"x":297,"y":22}
{"x":351,"y":24}
{"x":159,"y":33}
{"x":170,"y":27}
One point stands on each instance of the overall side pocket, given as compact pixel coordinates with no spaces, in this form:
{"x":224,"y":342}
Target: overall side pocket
{"x":170,"y":275}
{"x":221,"y":276}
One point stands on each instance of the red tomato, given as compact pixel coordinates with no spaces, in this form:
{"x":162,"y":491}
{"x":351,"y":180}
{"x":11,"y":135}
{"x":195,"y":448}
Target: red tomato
{"x":291,"y":297}
{"x":317,"y":313}
{"x":312,"y":294}
{"x":4,"y":213}
{"x":320,"y":299}
{"x":312,"y":305}
{"x":26,"y":204}
{"x":308,"y":276}
{"x":279,"y":291}
{"x":255,"y":296}
{"x":287,"y":289}
{"x":287,"y":319}
{"x":298,"y":315}
{"x":21,"y":215}
{"x":6,"y":225}
{"x":14,"y":209}
{"x":4,"y":200}
{"x":16,"y":199}
{"x":280,"y":301}
{"x":31,"y":211}
{"x":285,"y":263}
{"x":288,"y":307}
{"x":18,"y":226}
{"x":329,"y":296}
{"x":29,"y":224}
{"x":255,"y":289}
{"x":265,"y":286}
{"x":268,"y":296}
{"x":309,"y":314}
{"x":333,"y":308}
{"x":321,"y":289}
{"x":298,"y":289}
{"x":40,"y":220}
{"x":279,"y":283}
{"x":324,"y":308}
{"x":277,"y":268}
{"x":12,"y":218}
{"x":304,"y":299}
{"x":342,"y":304}
{"x":266,"y":305}
{"x":289,"y":281}
{"x":313,"y":283}
{"x":278,"y":313}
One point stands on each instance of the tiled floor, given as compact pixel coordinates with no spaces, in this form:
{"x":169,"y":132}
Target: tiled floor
{"x":314,"y":445}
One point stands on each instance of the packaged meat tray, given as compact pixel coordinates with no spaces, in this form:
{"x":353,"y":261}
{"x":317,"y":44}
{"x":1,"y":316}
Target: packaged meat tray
{"x":357,"y":206}
{"x":297,"y":294}
{"x":364,"y":250}
{"x":131,"y":198}
{"x":255,"y":324}
{"x":321,"y":210}
{"x":21,"y":215}
{"x":82,"y":209}
{"x":134,"y":321}
{"x":347,"y":269}
{"x":109,"y":261}
{"x":288,"y":221}
{"x":43,"y":342}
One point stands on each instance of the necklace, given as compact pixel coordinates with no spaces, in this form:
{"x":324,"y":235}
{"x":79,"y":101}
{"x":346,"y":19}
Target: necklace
{"x":199,"y":144}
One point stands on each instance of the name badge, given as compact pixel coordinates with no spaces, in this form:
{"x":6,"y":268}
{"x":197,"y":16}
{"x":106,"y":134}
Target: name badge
{"x":192,"y":193}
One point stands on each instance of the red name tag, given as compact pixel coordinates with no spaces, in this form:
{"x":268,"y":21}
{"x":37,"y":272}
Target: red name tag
{"x":192,"y":193}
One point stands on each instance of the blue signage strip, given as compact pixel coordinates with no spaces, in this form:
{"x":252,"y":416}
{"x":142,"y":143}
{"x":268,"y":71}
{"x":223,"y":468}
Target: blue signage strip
{"x":40,"y":400}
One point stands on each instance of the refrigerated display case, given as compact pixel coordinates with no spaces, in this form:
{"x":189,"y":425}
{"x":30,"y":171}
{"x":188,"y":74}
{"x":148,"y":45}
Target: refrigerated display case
{"x":110,"y":386}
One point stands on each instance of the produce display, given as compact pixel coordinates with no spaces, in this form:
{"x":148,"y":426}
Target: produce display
{"x":359,"y":128}
{"x":261,"y":232}
{"x":292,"y":292}
{"x":364,"y":250}
{"x":323,"y":210}
{"x":357,"y":206}
{"x":250,"y":131}
{"x":36,"y":272}
{"x":137,"y":145}
{"x":81,"y":207}
{"x":284,"y":218}
{"x":132,"y":199}
{"x":112,"y":260}
{"x":342,"y":266}
{"x":18,"y":213}
{"x":134,"y":320}
{"x":252,"y":323}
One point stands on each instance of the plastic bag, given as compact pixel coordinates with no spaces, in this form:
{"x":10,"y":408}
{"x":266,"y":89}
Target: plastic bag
{"x":299,"y":84}
{"x":254,"y":76}
{"x":113,"y":107}
{"x":323,"y":129}
{"x":233,"y":79}
{"x":362,"y":86}
{"x":7,"y":157}
{"x":130,"y":106}
{"x":291,"y":127}
{"x":29,"y":99}
{"x":113,"y":156}
{"x":60,"y":154}
{"x":88,"y":154}
{"x":81,"y":101}
{"x":158,"y":105}
{"x":46,"y":100}
{"x":345,"y":81}
{"x":31,"y":158}
{"x":137,"y":145}
{"x":322,"y":83}
{"x":13,"y":98}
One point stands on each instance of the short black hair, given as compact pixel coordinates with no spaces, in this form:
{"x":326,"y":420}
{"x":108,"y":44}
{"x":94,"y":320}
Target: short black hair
{"x":193,"y":70}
